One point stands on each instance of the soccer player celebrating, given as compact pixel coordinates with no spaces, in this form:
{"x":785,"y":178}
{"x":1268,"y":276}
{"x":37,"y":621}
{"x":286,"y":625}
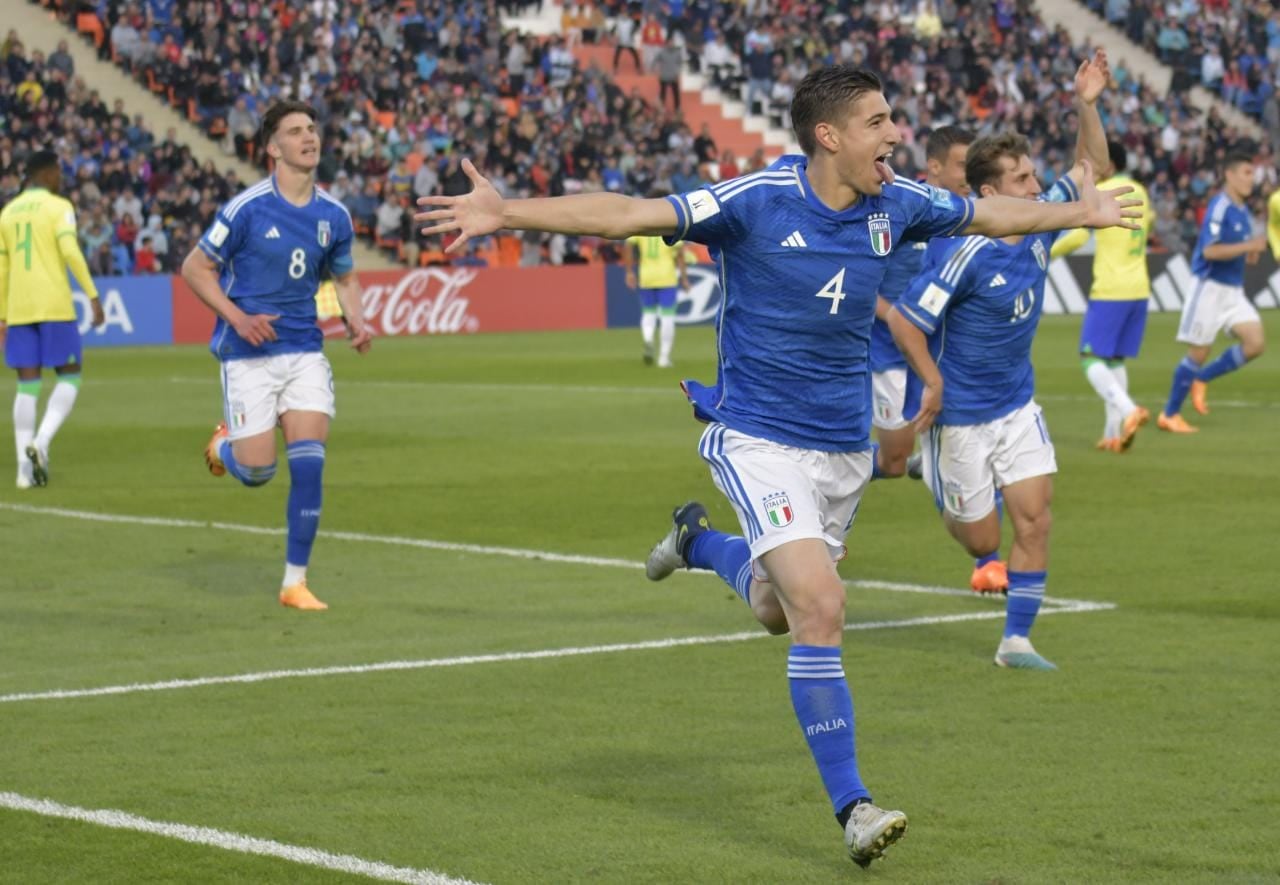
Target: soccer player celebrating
{"x":1218,"y":301}
{"x":789,"y":415}
{"x":258,"y":267}
{"x":945,"y":151}
{"x":1117,"y":313}
{"x":985,"y":430}
{"x":38,"y":246}
{"x":661,"y":268}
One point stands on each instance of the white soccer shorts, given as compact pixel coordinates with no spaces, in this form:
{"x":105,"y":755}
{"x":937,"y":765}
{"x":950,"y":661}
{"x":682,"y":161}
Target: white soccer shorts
{"x":964,"y":464}
{"x":1212,"y":308}
{"x":888,"y":393}
{"x":257,"y":391}
{"x":783,"y":493}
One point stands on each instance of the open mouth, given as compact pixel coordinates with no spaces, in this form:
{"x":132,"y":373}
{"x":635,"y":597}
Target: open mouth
{"x":883,"y":169}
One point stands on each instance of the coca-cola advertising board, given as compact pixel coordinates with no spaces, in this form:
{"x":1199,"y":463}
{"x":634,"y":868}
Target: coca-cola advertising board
{"x":449,"y":301}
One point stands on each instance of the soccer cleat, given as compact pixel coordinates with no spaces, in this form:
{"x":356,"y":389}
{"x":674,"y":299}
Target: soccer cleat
{"x":667,"y":555}
{"x":665,"y":363}
{"x":211,"y":457}
{"x":870,"y":831}
{"x":1133,"y":422}
{"x":915,"y":466}
{"x":648,"y":354}
{"x":1016,"y":653}
{"x":990,"y":578}
{"x":298,"y":596}
{"x":1174,"y":424}
{"x":1199,"y":397}
{"x":39,"y":466}
{"x":23,"y":481}
{"x":1109,"y":444}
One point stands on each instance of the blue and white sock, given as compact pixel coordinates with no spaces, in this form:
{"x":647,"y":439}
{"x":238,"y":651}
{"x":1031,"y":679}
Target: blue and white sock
{"x":1228,"y":361}
{"x":250,"y":476}
{"x":1183,"y":375}
{"x":729,"y":556}
{"x":993,"y":556}
{"x":1026,"y":592}
{"x":876,"y":472}
{"x":306,"y":470}
{"x":824,"y":708}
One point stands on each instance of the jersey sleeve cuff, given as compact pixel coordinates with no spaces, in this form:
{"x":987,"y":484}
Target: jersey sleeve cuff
{"x":915,"y":319}
{"x":966,"y":219}
{"x":682,"y":219}
{"x":209,"y":250}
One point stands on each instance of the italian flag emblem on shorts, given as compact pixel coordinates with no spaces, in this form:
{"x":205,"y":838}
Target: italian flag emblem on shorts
{"x":778,"y":508}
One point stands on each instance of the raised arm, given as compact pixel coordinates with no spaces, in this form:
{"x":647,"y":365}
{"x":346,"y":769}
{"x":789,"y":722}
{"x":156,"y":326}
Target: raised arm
{"x":1091,"y":139}
{"x":484,"y":211}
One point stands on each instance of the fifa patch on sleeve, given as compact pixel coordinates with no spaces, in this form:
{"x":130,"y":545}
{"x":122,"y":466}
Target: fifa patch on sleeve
{"x":702,"y":206}
{"x":940,"y":198}
{"x":934,"y":299}
{"x":218,"y":233}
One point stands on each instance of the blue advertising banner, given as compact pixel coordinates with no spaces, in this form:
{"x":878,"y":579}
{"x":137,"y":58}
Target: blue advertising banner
{"x":696,"y":305}
{"x":139,"y":310}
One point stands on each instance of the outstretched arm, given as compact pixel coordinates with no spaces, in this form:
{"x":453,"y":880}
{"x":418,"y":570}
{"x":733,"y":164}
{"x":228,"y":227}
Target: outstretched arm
{"x":484,"y":211}
{"x":998,"y":216}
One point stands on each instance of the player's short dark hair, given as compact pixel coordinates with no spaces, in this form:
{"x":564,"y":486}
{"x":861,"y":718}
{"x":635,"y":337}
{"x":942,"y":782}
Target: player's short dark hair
{"x":40,"y":161}
{"x":1235,"y":157}
{"x":1119,"y":155}
{"x":943,"y":139}
{"x":982,"y":166}
{"x":277,"y":112}
{"x":827,"y":95}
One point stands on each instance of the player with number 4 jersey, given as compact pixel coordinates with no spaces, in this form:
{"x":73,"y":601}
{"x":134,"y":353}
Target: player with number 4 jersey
{"x":802,"y":248}
{"x":258,"y":268}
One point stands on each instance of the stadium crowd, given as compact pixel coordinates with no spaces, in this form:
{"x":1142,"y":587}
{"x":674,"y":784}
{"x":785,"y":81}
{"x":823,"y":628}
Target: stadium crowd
{"x":405,"y":89}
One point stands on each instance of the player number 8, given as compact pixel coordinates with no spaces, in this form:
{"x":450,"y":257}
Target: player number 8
{"x":298,"y":264}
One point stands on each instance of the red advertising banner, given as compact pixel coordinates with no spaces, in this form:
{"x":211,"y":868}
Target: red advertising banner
{"x":449,"y":301}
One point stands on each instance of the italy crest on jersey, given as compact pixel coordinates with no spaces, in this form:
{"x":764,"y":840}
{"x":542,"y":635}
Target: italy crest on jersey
{"x":1038,"y":248}
{"x":778,"y":508}
{"x":323,"y":234}
{"x":881,"y":233}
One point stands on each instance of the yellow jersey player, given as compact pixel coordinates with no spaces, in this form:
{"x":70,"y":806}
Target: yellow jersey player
{"x":38,"y":245}
{"x":1117,"y":313}
{"x":661,"y":269}
{"x":1273,"y":225}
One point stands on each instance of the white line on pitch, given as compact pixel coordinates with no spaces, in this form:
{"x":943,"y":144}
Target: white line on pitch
{"x":451,"y":546}
{"x":312,"y":857}
{"x":505,"y":657}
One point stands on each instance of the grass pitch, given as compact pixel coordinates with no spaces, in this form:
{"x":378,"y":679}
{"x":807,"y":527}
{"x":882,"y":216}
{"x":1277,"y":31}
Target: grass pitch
{"x":1148,"y":757}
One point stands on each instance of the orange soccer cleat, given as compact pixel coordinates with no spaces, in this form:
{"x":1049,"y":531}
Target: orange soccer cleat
{"x":1200,"y":397}
{"x":1174,"y":424}
{"x":1132,"y":424}
{"x":212,"y":459}
{"x":1109,"y":444}
{"x":300,"y":597}
{"x":990,"y":578}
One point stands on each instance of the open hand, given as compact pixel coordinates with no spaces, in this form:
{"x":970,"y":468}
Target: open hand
{"x":1111,"y":208}
{"x":1092,"y":77}
{"x":99,"y":317}
{"x":473,"y":215}
{"x":360,"y":337}
{"x":256,"y":329}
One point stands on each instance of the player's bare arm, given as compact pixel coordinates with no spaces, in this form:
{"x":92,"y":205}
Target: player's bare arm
{"x":1000,"y":216}
{"x":484,"y":211}
{"x":1227,"y":251}
{"x":349,"y":297}
{"x":915,"y":347}
{"x":201,"y":273}
{"x":1091,"y":139}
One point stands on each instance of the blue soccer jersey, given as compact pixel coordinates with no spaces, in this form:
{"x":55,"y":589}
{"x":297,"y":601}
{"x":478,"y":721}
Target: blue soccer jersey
{"x":980,"y":304}
{"x":273,"y":256}
{"x":905,"y":265}
{"x":799,"y":283}
{"x":1224,"y":222}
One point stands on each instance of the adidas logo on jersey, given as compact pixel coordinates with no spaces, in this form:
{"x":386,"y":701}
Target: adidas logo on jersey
{"x":997,"y":280}
{"x":795,"y":240}
{"x":274,"y":233}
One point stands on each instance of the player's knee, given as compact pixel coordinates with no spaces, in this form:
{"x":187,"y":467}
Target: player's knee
{"x":892,"y":465}
{"x":771,"y":616}
{"x":257,"y":476}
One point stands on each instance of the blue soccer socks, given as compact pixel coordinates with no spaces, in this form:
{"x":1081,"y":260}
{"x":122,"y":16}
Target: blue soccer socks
{"x":824,"y":708}
{"x":306,"y":471}
{"x":728,"y":556}
{"x":250,"y":476}
{"x":1228,"y":361}
{"x":1026,"y":592}
{"x":1183,"y":375}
